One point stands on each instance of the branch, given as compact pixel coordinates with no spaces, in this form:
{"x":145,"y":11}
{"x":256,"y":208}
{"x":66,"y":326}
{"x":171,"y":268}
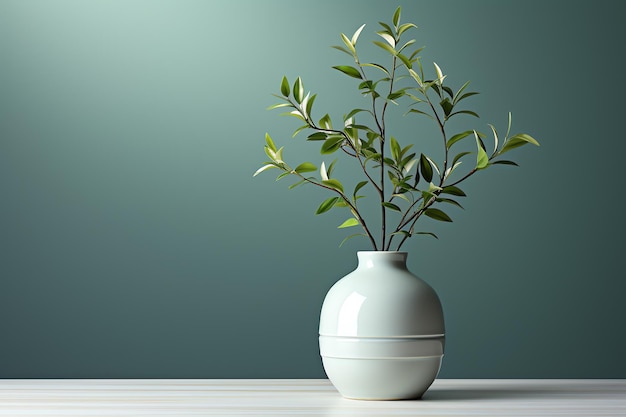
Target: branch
{"x":353,"y":208}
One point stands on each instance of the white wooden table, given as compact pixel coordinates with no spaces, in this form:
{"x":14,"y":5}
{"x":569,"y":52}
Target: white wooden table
{"x":306,"y":397}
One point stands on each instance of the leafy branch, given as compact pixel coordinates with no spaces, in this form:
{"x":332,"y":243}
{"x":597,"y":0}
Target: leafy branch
{"x":407,"y":183}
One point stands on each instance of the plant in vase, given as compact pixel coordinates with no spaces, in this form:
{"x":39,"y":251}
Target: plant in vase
{"x":381,"y":327}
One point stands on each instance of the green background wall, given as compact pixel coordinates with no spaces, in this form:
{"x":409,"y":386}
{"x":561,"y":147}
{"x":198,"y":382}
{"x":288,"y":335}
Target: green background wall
{"x":134,"y":241}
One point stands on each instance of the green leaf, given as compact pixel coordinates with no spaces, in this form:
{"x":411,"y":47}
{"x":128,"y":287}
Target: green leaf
{"x":350,"y":237}
{"x":508,"y":129}
{"x":327,"y":205}
{"x":434,"y":165}
{"x":292,"y":186}
{"x":264,"y":168}
{"x":504,"y":162}
{"x":426,"y":168}
{"x":390,"y":162}
{"x":437,"y":214}
{"x":386,"y":27}
{"x":298,"y":90}
{"x":284,"y":87}
{"x":432,"y":188}
{"x":331,"y":167}
{"x":482,"y":159}
{"x":279,"y":105}
{"x":395,"y":148}
{"x":454,"y":139}
{"x":348,"y":223}
{"x":404,"y":151}
{"x":526,"y":138}
{"x":427,"y":233}
{"x":323,"y":172}
{"x":396,"y":17}
{"x":358,"y":187}
{"x":332,"y":144}
{"x":363,"y":127}
{"x":396,"y":95}
{"x":283,"y":175}
{"x":371,"y":155}
{"x":348,"y":43}
{"x":317,"y":136}
{"x":342,"y":49}
{"x":466,"y":95}
{"x":270,"y":142}
{"x":453,"y":190}
{"x":391,"y":206}
{"x":387,"y":37}
{"x":386,"y":47}
{"x":471,"y":113}
{"x":449,"y":201}
{"x":366,"y":85}
{"x":353,"y":112}
{"x":495,"y":139}
{"x":309,"y":104}
{"x":408,"y":43}
{"x":355,"y":37}
{"x":426,"y":196}
{"x":459,"y":156}
{"x":409,"y":165}
{"x":334,"y":184}
{"x":380,"y":67}
{"x":447,"y":106}
{"x":305,"y":167}
{"x":271,"y":154}
{"x":416,"y":77}
{"x":348,"y":70}
{"x":440,"y":75}
{"x":295,"y":113}
{"x":406,"y":61}
{"x":419,"y":112}
{"x":325,"y":122}
{"x":455,"y":99}
{"x":404,"y":27}
{"x":300,"y":129}
{"x":517,"y":141}
{"x":402,"y":196}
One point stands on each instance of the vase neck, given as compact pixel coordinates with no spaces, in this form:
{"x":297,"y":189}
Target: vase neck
{"x":374,"y":259}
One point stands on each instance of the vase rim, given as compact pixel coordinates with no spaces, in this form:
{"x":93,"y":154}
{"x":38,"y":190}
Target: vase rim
{"x":382,"y":251}
{"x":382,"y":256}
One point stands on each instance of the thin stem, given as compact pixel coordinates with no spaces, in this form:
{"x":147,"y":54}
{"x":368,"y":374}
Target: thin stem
{"x":444,"y":136}
{"x":380,"y":123}
{"x":466,"y":176}
{"x":382,"y":155}
{"x":416,"y":216}
{"x":353,"y":208}
{"x":313,"y":126}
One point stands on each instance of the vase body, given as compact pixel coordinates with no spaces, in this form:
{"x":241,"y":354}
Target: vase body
{"x":381,"y":330}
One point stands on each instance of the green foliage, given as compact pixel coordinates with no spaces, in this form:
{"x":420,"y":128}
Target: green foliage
{"x":407,"y":182}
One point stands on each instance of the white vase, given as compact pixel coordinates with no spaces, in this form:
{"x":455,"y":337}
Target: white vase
{"x":381,"y":330}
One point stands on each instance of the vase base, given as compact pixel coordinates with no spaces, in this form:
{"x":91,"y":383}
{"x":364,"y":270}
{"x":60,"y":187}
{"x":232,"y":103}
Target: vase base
{"x":382,"y":379}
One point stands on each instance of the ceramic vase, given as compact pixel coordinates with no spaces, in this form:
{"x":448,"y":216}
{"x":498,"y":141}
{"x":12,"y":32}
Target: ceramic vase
{"x":381,"y":330}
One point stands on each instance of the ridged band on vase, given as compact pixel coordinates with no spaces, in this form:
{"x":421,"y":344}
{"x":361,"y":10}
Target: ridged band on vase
{"x":382,"y":368}
{"x":381,"y":348}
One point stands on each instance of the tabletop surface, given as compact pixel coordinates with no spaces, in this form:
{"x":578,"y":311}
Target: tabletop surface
{"x":306,"y":397}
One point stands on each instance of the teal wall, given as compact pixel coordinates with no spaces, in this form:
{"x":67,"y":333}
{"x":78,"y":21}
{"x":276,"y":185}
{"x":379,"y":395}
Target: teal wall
{"x":134,"y":241}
